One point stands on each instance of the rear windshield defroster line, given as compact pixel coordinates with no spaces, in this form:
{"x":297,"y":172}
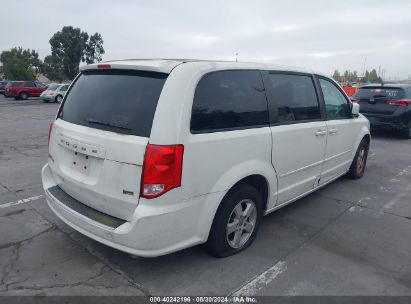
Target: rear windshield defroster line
{"x":121,"y":101}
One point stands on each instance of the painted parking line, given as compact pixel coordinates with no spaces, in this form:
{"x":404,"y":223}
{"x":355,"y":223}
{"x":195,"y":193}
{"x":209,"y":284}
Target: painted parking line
{"x":22,"y":201}
{"x":262,"y":280}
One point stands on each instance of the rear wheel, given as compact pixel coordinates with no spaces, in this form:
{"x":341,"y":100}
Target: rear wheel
{"x":359,"y":162}
{"x":23,"y":95}
{"x":236,"y":222}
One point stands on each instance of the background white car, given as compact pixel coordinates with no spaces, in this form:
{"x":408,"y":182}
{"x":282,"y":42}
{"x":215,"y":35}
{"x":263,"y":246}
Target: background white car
{"x":55,"y":92}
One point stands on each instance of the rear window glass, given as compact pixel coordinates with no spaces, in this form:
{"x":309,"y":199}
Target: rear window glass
{"x":114,"y":100}
{"x":366,"y":93}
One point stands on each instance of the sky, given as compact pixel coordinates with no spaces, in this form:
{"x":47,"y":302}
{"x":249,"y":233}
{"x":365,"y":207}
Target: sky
{"x":320,"y":34}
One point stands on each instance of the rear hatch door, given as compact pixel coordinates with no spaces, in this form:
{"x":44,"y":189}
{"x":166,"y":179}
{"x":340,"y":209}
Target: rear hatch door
{"x":98,"y":141}
{"x":373,"y":100}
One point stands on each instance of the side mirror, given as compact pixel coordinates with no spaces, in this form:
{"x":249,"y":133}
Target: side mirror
{"x":355,"y":110}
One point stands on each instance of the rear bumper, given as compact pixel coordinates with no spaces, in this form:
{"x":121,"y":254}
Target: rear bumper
{"x":153,"y":231}
{"x":400,"y":119}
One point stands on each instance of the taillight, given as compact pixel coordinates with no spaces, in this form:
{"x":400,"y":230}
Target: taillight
{"x":161,"y":170}
{"x":399,"y":102}
{"x":50,"y":129}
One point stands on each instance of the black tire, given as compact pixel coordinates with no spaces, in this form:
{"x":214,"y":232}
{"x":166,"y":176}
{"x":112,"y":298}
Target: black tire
{"x":360,"y":161}
{"x":45,"y":101}
{"x":218,"y":239}
{"x":16,"y":97}
{"x":58,"y":99}
{"x":23,"y":95}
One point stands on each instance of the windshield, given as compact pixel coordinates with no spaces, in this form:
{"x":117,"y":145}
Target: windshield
{"x":53,"y":87}
{"x":114,"y":100}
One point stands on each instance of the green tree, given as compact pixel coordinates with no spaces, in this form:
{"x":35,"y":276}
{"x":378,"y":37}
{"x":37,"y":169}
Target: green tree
{"x":94,"y":49}
{"x":20,"y":64}
{"x":67,"y":46}
{"x":337,"y":76}
{"x":70,"y":46}
{"x":346,"y":75}
{"x":366,"y":76}
{"x":373,"y":77}
{"x":354,"y":76}
{"x":52,"y":68}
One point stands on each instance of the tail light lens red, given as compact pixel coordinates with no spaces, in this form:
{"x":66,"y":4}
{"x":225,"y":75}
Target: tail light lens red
{"x":50,"y":129}
{"x":399,"y":102}
{"x":161,"y":170}
{"x":104,"y":66}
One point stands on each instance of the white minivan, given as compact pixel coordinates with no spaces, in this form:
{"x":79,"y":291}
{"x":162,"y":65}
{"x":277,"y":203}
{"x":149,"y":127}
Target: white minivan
{"x":153,"y":156}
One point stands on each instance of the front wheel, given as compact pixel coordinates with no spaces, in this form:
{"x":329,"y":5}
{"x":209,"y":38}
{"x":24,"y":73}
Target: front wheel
{"x":236,"y":222}
{"x":359,"y":162}
{"x":23,"y":96}
{"x":58,"y":99}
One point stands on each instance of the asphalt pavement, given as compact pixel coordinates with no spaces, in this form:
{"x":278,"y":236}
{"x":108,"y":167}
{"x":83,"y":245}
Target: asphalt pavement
{"x":349,"y":238}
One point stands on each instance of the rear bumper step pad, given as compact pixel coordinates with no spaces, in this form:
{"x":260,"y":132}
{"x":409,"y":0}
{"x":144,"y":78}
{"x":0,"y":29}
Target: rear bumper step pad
{"x":85,"y":210}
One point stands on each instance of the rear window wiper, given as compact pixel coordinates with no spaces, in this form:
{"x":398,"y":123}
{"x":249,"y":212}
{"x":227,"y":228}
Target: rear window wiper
{"x":108,"y":124}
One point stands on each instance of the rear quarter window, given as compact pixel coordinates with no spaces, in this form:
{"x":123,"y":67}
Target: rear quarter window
{"x":229,"y":100}
{"x":120,"y":101}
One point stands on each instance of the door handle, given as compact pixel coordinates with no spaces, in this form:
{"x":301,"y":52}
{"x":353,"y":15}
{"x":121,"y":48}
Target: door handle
{"x":320,"y":133}
{"x":333,"y":131}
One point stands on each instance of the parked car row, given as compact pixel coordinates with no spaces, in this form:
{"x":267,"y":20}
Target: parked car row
{"x":22,"y":90}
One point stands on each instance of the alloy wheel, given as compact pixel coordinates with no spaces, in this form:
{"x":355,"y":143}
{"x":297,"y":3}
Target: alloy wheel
{"x":361,"y":160}
{"x":241,"y":223}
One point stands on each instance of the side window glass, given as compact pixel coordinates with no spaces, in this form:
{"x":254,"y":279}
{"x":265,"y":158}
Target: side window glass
{"x":336,"y":105}
{"x":30,"y":84}
{"x":64,"y":88}
{"x":229,"y":100}
{"x":294,"y":97}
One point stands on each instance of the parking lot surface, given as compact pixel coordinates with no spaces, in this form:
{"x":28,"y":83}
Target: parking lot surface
{"x":349,"y":238}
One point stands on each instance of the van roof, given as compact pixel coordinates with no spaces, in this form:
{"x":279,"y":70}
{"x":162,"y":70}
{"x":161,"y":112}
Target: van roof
{"x":167,"y":65}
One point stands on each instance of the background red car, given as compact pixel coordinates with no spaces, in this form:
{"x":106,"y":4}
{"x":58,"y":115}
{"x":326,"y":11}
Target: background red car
{"x":25,"y":89}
